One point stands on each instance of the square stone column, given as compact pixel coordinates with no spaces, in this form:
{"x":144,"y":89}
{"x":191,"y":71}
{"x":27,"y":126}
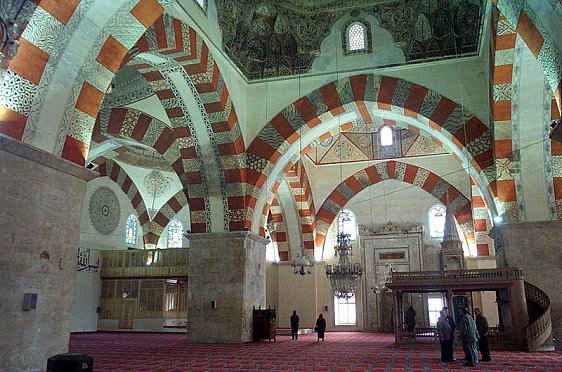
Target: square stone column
{"x":226,"y":279}
{"x":42,"y":198}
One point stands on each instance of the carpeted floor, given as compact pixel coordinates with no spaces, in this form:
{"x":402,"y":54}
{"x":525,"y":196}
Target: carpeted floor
{"x":342,"y":351}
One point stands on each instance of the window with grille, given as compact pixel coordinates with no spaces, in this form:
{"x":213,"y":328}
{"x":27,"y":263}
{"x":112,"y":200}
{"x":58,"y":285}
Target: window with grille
{"x":356,"y":37}
{"x":175,"y":233}
{"x":131,"y":230}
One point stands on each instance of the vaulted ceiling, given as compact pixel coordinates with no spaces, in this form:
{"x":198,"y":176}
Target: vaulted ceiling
{"x":267,"y":39}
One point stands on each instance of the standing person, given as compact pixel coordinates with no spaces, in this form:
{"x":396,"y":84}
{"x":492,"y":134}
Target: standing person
{"x":410,"y":318}
{"x":320,"y":326}
{"x":469,"y":335}
{"x":445,"y":337}
{"x":482,"y":327}
{"x":451,"y":322}
{"x":295,"y":326}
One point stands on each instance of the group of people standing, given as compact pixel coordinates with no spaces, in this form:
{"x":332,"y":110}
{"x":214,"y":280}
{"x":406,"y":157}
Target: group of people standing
{"x":320,"y":327}
{"x":471,"y":331}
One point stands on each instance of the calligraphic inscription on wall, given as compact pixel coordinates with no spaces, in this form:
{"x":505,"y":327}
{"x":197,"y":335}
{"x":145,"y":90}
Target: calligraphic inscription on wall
{"x":392,"y":256}
{"x":86,"y":263}
{"x":104,"y":210}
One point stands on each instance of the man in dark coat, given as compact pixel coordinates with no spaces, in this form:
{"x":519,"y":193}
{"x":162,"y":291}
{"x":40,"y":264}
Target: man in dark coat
{"x":469,"y":336}
{"x":294,"y":325}
{"x":410,"y":318}
{"x":482,"y":327}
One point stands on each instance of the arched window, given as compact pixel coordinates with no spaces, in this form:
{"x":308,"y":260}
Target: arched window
{"x":386,"y":136}
{"x":357,"y":37}
{"x":346,"y":224}
{"x":131,"y":230}
{"x":175,"y":233}
{"x":437,"y":221}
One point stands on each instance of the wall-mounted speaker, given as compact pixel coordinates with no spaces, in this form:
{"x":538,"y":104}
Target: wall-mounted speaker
{"x":29,"y":301}
{"x":213,"y":304}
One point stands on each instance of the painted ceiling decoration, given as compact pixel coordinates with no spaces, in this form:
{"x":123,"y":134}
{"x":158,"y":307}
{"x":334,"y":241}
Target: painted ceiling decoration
{"x":268,"y":39}
{"x":362,"y":143}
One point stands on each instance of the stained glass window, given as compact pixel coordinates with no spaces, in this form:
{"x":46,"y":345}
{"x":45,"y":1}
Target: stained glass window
{"x":175,"y":232}
{"x":131,"y":230}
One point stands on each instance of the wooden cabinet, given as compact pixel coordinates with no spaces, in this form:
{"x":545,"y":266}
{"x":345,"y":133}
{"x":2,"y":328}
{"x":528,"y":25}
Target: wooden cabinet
{"x":264,"y":325}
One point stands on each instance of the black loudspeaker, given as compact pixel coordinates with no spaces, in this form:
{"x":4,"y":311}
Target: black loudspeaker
{"x":213,"y":304}
{"x":29,"y":301}
{"x":70,"y":362}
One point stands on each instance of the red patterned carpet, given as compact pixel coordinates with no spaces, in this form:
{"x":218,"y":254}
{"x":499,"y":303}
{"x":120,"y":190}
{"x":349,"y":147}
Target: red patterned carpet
{"x":342,"y":351}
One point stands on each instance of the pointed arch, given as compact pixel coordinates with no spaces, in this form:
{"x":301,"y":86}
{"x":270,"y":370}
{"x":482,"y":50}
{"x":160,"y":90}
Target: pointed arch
{"x":408,"y":173}
{"x":468,"y":137}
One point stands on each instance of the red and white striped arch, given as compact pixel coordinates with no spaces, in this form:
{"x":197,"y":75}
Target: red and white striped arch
{"x":408,"y":173}
{"x":469,"y":139}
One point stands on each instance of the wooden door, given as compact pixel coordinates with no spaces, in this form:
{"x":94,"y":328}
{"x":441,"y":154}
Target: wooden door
{"x":127,"y":313}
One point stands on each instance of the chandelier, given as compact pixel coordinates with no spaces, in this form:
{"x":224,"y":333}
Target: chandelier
{"x":301,"y":265}
{"x":344,"y":276}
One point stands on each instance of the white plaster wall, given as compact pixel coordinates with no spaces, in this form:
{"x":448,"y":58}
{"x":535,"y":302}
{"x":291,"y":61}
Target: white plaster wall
{"x":87,"y":291}
{"x":90,"y":238}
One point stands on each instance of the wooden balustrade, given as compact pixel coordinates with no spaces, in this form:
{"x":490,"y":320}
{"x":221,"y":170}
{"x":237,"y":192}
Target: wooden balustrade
{"x":456,"y":276}
{"x":145,"y":263}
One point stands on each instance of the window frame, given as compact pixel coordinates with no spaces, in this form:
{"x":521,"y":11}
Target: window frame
{"x":133,"y":220}
{"x":173,"y":224}
{"x":386,"y":128}
{"x":431,"y":220}
{"x":367,"y":37}
{"x":349,"y":308}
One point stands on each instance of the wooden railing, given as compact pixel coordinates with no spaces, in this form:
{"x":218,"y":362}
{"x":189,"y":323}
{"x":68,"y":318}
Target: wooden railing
{"x":539,"y":329}
{"x":145,"y":263}
{"x":457,"y":276}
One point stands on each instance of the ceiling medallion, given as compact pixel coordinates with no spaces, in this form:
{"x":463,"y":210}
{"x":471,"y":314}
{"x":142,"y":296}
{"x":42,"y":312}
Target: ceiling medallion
{"x":104,"y":210}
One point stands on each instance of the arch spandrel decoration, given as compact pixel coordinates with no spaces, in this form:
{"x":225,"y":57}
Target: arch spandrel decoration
{"x":407,"y":173}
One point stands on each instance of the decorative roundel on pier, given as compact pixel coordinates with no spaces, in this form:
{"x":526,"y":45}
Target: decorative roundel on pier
{"x":104,"y":210}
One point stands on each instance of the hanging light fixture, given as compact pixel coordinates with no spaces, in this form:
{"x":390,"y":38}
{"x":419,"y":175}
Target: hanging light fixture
{"x":10,"y":31}
{"x":344,"y":276}
{"x":301,"y":264}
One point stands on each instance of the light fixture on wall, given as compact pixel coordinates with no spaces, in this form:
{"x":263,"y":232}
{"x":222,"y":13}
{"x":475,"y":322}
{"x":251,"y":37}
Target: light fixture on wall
{"x":301,"y":264}
{"x":11,"y":28}
{"x":344,"y":276}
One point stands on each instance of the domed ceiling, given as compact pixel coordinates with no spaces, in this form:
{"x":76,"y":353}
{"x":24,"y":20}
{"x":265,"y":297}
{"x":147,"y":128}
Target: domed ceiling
{"x":269,"y":39}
